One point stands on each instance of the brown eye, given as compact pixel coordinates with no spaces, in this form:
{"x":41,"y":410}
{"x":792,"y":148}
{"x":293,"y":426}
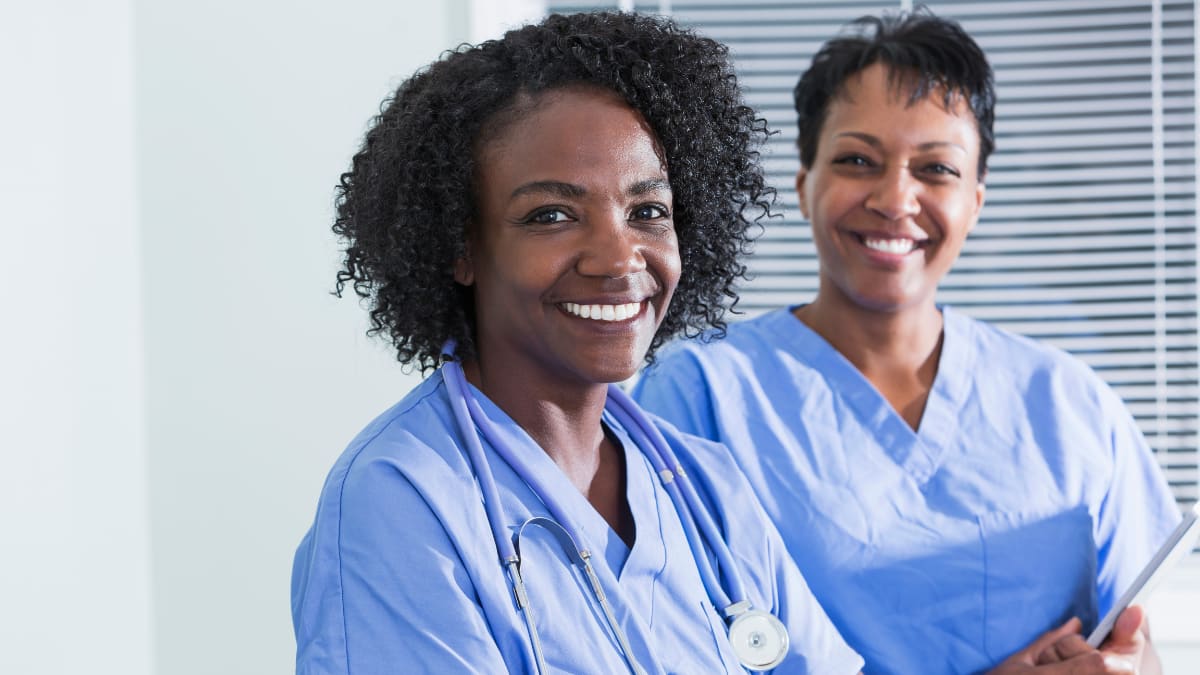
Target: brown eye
{"x":650,"y":212}
{"x":852,"y":160}
{"x":942,"y":169}
{"x":547,"y":217}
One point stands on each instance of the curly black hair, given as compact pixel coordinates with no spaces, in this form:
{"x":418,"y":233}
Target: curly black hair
{"x":404,"y":206}
{"x":926,"y":50}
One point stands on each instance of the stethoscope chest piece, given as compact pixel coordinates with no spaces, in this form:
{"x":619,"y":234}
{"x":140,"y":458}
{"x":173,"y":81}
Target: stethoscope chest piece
{"x":759,"y":640}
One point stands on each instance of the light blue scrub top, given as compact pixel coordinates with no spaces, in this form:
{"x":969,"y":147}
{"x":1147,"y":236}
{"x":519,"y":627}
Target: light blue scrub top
{"x":1027,"y":495}
{"x":400,"y":573}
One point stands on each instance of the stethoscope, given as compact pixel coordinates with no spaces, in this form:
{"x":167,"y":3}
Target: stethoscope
{"x":758,"y":638}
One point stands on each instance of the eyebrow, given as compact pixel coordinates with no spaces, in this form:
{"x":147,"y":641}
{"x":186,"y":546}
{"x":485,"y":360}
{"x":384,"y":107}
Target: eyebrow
{"x":553,"y":187}
{"x":570,"y":190}
{"x":876,"y":143}
{"x":652,"y":185}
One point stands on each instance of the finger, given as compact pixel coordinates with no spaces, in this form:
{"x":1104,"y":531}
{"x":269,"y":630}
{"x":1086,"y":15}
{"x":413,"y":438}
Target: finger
{"x":1091,"y":662}
{"x":1128,"y":639}
{"x":1129,"y":624}
{"x":1049,"y":638}
{"x":1065,"y":649}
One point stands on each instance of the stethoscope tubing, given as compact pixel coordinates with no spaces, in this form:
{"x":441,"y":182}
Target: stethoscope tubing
{"x":459,"y":402}
{"x":699,"y":527}
{"x":581,"y":558}
{"x":455,"y":381}
{"x":684,"y":495}
{"x":648,"y":439}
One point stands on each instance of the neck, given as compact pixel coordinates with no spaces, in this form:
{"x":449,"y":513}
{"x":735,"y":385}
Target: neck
{"x":896,"y":351}
{"x":564,"y":420}
{"x":905,"y":337}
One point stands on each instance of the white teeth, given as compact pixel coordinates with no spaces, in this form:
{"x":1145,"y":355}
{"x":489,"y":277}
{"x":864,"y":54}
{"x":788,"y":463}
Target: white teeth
{"x":604,"y":312}
{"x":894,"y":246}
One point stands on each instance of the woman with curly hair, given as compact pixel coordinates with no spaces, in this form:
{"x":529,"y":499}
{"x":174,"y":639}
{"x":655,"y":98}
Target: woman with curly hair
{"x":529,"y":219}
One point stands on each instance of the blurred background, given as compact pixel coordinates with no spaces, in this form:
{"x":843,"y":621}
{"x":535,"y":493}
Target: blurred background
{"x":176,"y":379}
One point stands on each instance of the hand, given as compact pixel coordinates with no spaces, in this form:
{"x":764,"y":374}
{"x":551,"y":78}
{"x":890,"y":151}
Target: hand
{"x":1063,"y":651}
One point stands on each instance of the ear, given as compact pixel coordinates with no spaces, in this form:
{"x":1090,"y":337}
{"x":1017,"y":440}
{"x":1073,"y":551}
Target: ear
{"x":464,"y":269}
{"x":801,"y":176}
{"x":980,"y":195}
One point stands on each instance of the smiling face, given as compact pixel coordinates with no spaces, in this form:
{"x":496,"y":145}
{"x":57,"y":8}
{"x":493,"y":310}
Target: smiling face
{"x":573,"y":256}
{"x":892,"y":193}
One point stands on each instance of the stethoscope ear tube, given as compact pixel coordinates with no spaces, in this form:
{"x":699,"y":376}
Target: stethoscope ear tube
{"x":582,"y":559}
{"x":521,"y":594}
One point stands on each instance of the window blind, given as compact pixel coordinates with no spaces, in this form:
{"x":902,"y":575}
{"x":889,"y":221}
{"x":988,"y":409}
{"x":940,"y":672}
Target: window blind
{"x":1088,"y":237}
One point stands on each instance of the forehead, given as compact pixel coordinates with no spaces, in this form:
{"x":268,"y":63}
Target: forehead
{"x":569,"y":133}
{"x":880,"y":83}
{"x":887,"y":101}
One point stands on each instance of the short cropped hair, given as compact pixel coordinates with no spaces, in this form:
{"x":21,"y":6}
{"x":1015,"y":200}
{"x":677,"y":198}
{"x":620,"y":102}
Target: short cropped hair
{"x":404,"y":207}
{"x":923,"y":51}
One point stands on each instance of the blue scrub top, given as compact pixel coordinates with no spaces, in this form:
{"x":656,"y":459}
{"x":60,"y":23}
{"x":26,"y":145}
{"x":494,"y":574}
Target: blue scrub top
{"x":1027,"y":495}
{"x":400,"y":572}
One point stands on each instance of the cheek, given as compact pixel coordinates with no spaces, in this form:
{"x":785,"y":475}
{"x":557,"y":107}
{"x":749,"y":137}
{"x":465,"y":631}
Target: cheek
{"x":662,"y":257}
{"x":831,"y":207}
{"x":956,"y":211}
{"x":955,"y":227}
{"x":509,"y":285}
{"x":533,"y":264}
{"x":823,"y":234}
{"x":672,"y":265}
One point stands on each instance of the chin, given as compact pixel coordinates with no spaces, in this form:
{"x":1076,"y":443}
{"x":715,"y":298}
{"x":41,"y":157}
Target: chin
{"x":613,"y":373}
{"x":890,"y":300}
{"x":606,"y":364}
{"x":891,"y":305}
{"x":610,"y":369}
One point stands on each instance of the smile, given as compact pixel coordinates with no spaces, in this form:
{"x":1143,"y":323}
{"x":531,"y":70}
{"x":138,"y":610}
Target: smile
{"x":891,"y":246}
{"x":603,"y":312}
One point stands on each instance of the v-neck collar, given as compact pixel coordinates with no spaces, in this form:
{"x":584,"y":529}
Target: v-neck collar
{"x":919,"y":453}
{"x":648,"y":553}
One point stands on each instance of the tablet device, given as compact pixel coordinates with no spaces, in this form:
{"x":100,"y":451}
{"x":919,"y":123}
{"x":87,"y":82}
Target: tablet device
{"x":1176,"y":546}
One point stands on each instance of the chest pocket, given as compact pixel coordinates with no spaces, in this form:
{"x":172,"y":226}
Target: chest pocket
{"x":720,"y":635}
{"x":1040,"y":570}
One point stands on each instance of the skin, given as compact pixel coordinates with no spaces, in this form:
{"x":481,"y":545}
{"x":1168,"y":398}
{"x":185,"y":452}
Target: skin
{"x":892,"y":194}
{"x":574,"y":208}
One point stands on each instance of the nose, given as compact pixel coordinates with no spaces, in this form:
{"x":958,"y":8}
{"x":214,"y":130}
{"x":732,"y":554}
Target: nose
{"x":895,"y":195}
{"x":612,"y":248}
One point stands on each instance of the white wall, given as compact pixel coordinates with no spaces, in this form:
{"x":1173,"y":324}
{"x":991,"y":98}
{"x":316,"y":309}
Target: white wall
{"x":74,"y":545}
{"x":256,"y":376}
{"x":1173,"y":621}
